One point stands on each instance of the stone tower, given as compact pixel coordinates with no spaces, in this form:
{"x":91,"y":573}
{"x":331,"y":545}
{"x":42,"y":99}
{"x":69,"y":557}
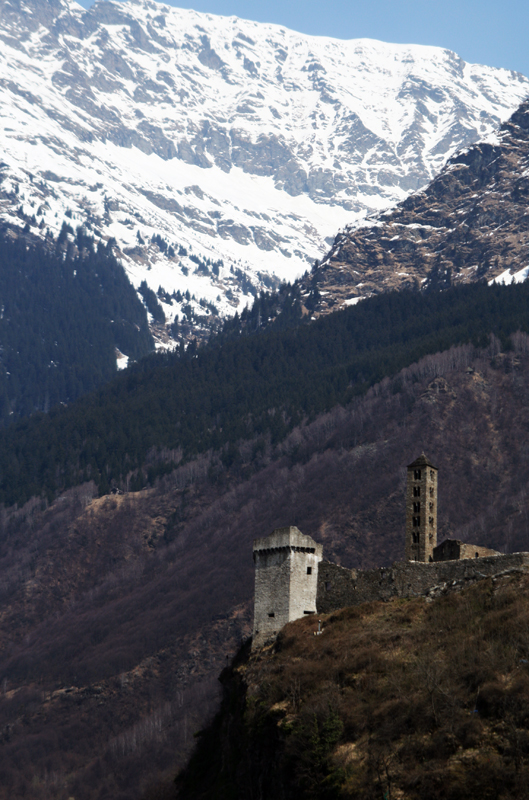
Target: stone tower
{"x":286,"y":580}
{"x":421,"y":510}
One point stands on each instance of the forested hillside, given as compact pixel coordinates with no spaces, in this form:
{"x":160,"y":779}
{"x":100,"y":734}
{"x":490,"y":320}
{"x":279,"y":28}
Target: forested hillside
{"x":118,"y":612}
{"x":65,"y":307}
{"x":129,"y":499}
{"x":171,"y":408}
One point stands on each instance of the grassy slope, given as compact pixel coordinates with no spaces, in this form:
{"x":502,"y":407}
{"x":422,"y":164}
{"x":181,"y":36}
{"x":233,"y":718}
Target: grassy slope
{"x":406,"y":699}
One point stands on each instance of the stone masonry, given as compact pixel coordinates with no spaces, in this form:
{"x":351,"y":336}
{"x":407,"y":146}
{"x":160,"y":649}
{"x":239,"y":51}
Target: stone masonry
{"x":339,"y":587}
{"x":452,"y":549}
{"x":421,"y":510}
{"x":286,"y":580}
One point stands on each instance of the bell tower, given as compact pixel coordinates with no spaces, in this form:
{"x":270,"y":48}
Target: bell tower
{"x":421,"y":510}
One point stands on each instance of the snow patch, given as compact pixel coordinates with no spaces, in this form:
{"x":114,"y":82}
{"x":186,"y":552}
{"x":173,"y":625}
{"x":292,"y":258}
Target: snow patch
{"x":508,"y":277}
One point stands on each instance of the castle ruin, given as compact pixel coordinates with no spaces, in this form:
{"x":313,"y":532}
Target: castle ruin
{"x":286,"y":580}
{"x":292,"y":580}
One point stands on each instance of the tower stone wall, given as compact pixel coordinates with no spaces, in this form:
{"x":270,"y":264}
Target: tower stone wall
{"x":286,"y":580}
{"x":421,"y":510}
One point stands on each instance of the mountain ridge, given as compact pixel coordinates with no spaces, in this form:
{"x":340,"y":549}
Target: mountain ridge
{"x":470,"y":223}
{"x":211,"y":146}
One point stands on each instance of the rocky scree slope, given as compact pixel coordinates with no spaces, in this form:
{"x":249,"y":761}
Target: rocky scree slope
{"x":471,"y":223}
{"x":219,"y":152}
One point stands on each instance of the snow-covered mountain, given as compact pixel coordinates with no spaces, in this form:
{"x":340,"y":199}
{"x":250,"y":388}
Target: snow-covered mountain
{"x":219,"y":152}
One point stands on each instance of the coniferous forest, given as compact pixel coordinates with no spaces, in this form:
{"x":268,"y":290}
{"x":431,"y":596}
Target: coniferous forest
{"x":168,"y":408}
{"x":65,"y":307}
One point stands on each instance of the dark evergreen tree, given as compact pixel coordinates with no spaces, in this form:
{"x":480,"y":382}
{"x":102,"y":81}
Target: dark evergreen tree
{"x":151,"y":301}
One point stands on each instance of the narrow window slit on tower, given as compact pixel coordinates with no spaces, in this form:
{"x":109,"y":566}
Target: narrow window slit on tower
{"x":271,"y":614}
{"x":309,"y":570}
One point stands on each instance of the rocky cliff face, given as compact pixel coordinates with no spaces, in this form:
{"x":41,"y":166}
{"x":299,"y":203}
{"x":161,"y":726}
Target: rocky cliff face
{"x":220,"y":154}
{"x":471,"y":223}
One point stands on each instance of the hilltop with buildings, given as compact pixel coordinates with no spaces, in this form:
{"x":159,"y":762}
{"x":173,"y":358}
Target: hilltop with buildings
{"x":423,"y":696}
{"x":119,"y":611}
{"x":292,"y":580}
{"x":408,"y":699}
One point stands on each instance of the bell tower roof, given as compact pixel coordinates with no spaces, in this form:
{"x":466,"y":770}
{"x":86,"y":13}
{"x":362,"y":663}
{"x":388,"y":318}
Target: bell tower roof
{"x":422,"y":461}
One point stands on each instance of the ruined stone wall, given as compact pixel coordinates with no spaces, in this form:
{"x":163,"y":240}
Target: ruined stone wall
{"x":454,"y":549}
{"x":475,"y":551}
{"x":339,"y":587}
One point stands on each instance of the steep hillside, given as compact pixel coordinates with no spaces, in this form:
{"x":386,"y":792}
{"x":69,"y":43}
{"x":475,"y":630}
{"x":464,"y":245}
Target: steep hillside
{"x":219,"y":152}
{"x":471,"y":223}
{"x":168,"y":409}
{"x":69,"y":319}
{"x":406,"y":699}
{"x":118,"y":613}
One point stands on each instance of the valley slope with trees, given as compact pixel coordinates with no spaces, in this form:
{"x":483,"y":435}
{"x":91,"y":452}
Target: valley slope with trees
{"x":170,"y":409}
{"x":128,"y":513}
{"x":118,"y":612}
{"x":402,"y":699}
